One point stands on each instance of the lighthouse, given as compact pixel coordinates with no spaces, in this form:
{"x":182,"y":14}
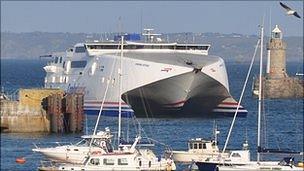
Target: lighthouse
{"x":276,"y":84}
{"x":276,"y":61}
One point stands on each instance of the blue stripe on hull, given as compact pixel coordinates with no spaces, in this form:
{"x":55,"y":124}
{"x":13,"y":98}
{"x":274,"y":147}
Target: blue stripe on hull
{"x":111,"y":113}
{"x":129,"y":114}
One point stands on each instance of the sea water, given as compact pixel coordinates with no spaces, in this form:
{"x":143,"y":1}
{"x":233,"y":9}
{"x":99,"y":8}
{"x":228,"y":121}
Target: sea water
{"x":282,"y":122}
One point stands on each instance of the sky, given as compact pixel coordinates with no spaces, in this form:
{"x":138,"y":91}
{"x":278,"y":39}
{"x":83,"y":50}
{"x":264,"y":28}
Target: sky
{"x":227,"y":17}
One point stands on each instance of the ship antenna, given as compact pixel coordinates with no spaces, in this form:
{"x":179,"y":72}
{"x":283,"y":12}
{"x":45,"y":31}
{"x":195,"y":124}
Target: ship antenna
{"x":141,"y":24}
{"x":119,"y":26}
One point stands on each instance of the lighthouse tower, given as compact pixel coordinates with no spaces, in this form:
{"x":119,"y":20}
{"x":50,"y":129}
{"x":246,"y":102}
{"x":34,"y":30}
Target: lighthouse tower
{"x":277,"y":56}
{"x":276,"y":83}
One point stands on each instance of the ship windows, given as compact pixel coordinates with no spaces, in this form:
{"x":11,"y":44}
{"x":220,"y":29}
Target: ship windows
{"x":204,"y":146}
{"x":56,"y":60}
{"x":114,"y":46}
{"x":122,"y":161}
{"x":94,"y":161}
{"x":61,"y":79}
{"x":103,"y":46}
{"x":195,"y":146}
{"x":236,"y":155}
{"x":191,"y":146}
{"x":199,"y":146}
{"x":150,"y":46}
{"x":78,"y":64}
{"x":80,"y":49}
{"x":66,"y":79}
{"x":108,"y":161}
{"x":183,"y":47}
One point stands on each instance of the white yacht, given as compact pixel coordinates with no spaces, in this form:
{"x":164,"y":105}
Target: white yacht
{"x":198,"y":150}
{"x":76,"y":153}
{"x":131,"y":159}
{"x":160,"y":79}
{"x":201,"y":150}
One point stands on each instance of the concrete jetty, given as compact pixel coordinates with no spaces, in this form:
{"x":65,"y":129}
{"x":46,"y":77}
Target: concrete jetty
{"x":42,"y":110}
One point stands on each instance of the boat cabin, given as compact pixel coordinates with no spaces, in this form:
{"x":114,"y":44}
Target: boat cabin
{"x":199,"y":145}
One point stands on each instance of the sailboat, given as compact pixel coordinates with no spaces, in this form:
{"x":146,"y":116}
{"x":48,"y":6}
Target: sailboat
{"x":130,"y":158}
{"x":221,"y":163}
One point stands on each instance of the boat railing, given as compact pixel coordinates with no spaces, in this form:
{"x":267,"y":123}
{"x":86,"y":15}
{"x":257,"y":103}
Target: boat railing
{"x":51,"y":144}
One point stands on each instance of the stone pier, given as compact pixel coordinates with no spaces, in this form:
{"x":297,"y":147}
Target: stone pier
{"x":43,"y":110}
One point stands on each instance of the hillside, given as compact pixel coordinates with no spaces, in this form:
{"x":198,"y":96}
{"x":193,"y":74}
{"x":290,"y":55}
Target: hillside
{"x":232,"y":47}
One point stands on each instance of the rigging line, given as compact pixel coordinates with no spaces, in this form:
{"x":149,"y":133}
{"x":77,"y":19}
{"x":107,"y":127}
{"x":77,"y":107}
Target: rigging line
{"x":135,"y":125}
{"x":145,"y":108}
{"x":101,"y":107}
{"x":103,"y":100}
{"x":151,"y":122}
{"x":140,"y":128}
{"x":240,"y":100}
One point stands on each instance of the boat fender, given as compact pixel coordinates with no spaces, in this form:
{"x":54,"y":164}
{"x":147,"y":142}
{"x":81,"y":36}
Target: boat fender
{"x":20,"y":160}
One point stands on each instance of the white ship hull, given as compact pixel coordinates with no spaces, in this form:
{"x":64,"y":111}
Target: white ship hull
{"x":70,"y":154}
{"x":165,"y":83}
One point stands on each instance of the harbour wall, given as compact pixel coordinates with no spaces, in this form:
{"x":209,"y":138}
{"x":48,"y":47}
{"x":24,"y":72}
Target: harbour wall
{"x":288,"y":87}
{"x":18,"y":118}
{"x":42,"y":110}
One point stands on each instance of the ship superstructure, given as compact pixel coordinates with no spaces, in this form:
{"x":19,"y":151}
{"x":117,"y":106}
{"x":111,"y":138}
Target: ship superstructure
{"x":159,"y":79}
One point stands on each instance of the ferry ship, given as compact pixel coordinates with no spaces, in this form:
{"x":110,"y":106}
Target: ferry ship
{"x":160,"y":79}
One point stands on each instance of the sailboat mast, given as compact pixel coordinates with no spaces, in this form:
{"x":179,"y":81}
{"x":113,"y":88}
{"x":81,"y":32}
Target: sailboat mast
{"x":260,"y":95}
{"x":120,"y":90}
{"x":215,"y":132}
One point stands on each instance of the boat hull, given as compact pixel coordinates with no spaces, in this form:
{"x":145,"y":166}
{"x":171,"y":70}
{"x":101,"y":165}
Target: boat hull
{"x":166,"y":84}
{"x":68,"y":154}
{"x":188,"y":158}
{"x":189,"y":95}
{"x":250,"y":166}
